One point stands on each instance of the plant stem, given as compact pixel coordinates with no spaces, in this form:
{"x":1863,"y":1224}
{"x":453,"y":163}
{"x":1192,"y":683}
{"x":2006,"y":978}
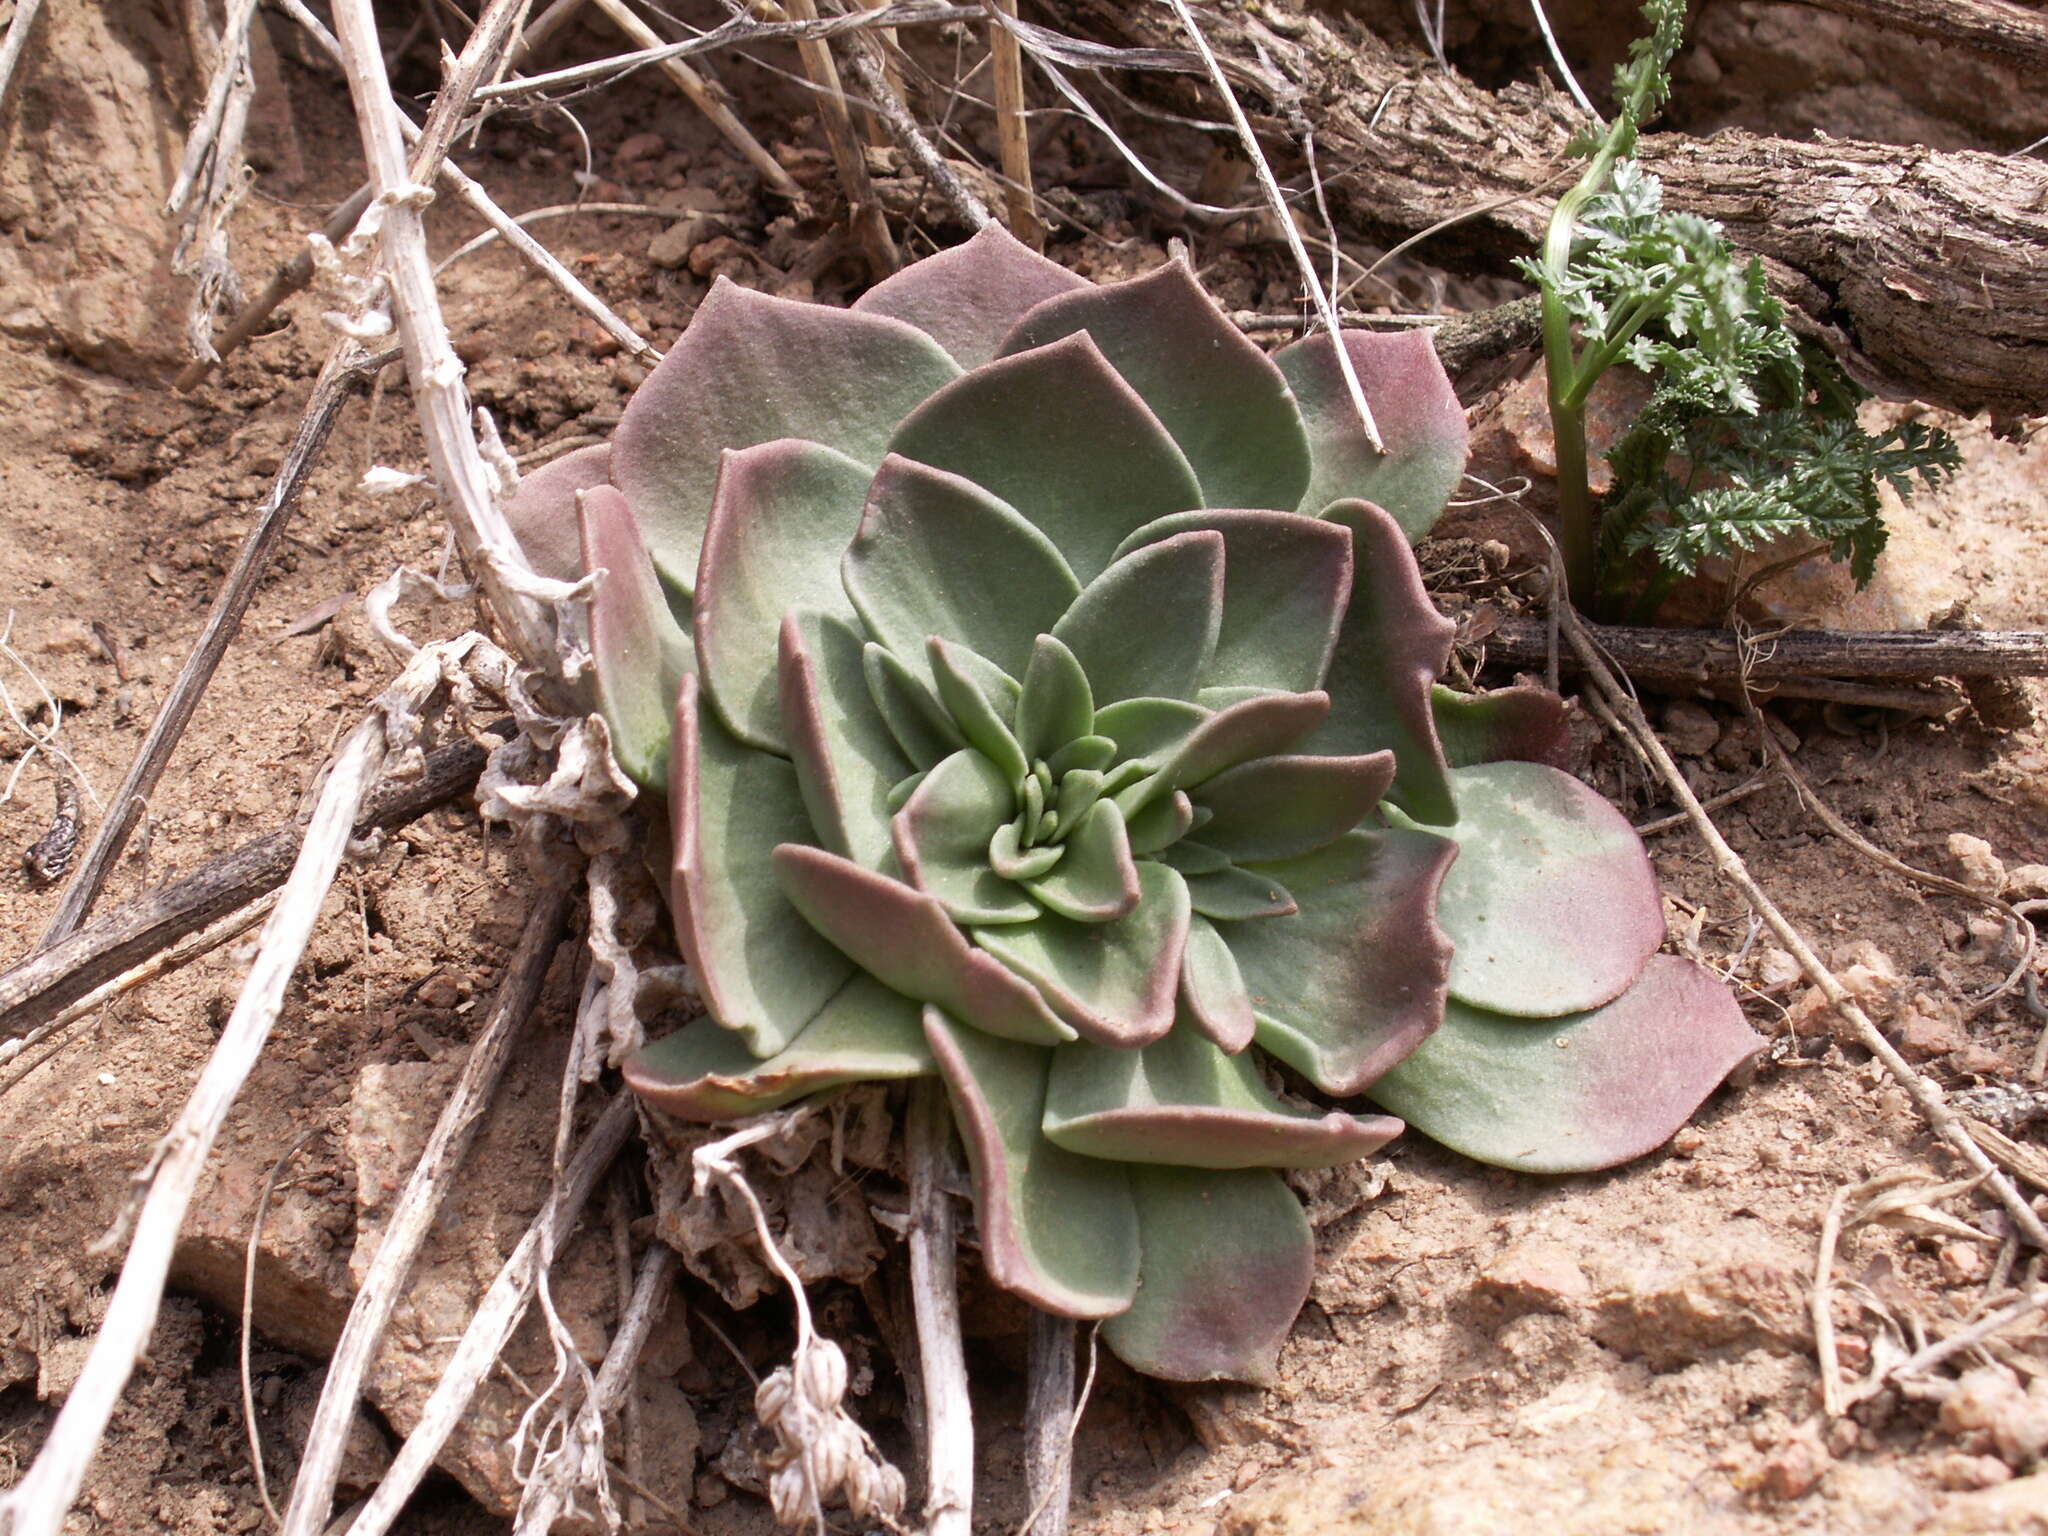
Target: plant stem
{"x":935,"y":1300}
{"x":1049,"y":1424}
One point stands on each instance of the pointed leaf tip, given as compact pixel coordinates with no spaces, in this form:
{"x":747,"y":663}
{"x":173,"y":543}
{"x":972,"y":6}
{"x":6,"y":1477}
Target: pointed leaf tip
{"x":968,"y":298}
{"x":641,"y":652}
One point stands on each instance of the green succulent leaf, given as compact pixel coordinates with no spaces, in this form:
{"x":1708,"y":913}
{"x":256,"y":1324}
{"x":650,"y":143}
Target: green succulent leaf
{"x":1146,"y":627}
{"x":1231,"y":895}
{"x":1161,"y":823}
{"x":904,"y":939}
{"x":847,"y":763}
{"x":1148,"y":729}
{"x":749,"y":369}
{"x":1278,"y":807}
{"x":1115,"y":469}
{"x":1183,"y":1101}
{"x":704,"y":1071}
{"x":943,"y":834}
{"x":1008,"y":856}
{"x":642,"y":652}
{"x":1213,"y":996}
{"x":1417,"y":411}
{"x":968,"y":298}
{"x":1228,"y":1261}
{"x":1287,"y":580}
{"x":982,"y":699}
{"x":1113,"y":982}
{"x":1056,"y":1229}
{"x":920,"y":566}
{"x":1553,"y":905}
{"x":542,"y":510}
{"x":1523,"y":723}
{"x":1389,"y":652}
{"x":1083,"y":752}
{"x":1057,"y":705}
{"x":1354,"y":980}
{"x":912,"y":712}
{"x":1222,"y":398}
{"x":762,"y":969}
{"x":1096,"y":881}
{"x":780,"y":518}
{"x":1585,"y":1091}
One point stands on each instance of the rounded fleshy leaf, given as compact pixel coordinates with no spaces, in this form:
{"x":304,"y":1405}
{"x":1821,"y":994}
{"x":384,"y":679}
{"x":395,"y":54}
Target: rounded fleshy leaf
{"x":642,"y":653}
{"x":749,"y":369}
{"x":903,"y":938}
{"x":1056,"y":1229}
{"x":908,"y":707}
{"x":1279,"y":807}
{"x":1222,"y":398}
{"x":968,"y":298}
{"x":1186,"y":1103}
{"x":1523,"y":724}
{"x":1553,"y":905}
{"x":1008,"y":856}
{"x":780,"y":518}
{"x":847,"y":762}
{"x":1057,"y":705}
{"x":1083,"y":752}
{"x":1146,"y":627}
{"x":1586,"y":1091}
{"x":703,"y":1071}
{"x":1389,"y":652}
{"x":943,"y":833}
{"x":1058,"y":435}
{"x":1228,"y":1261}
{"x":982,"y":699}
{"x":1287,"y":579}
{"x":1153,"y":729}
{"x":1096,"y":880}
{"x":921,"y":564}
{"x":1355,"y":979}
{"x":1213,"y":996}
{"x":542,"y":511}
{"x":1414,"y":406}
{"x":1162,"y":823}
{"x":762,"y":969}
{"x":1112,"y":982}
{"x":1233,"y":895}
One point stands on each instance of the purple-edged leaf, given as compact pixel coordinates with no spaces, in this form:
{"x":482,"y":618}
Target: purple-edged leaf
{"x":1262,"y":726}
{"x":1186,"y":1103}
{"x":1586,"y":1091}
{"x":780,"y":519}
{"x":1213,"y":996}
{"x":704,"y":1071}
{"x":938,"y":555}
{"x":1233,"y":895}
{"x":1096,"y":880}
{"x":1228,"y":1261}
{"x":762,"y":969}
{"x":749,"y":369}
{"x":1286,"y":581}
{"x":1278,"y":807}
{"x":1392,"y":646}
{"x":1153,"y":729}
{"x":909,"y":708}
{"x":1057,"y":705}
{"x":1087,"y":752}
{"x":967,"y":298}
{"x":943,"y":833}
{"x":1351,"y":982}
{"x":1222,"y":398}
{"x":1061,"y":437}
{"x":1523,"y":724}
{"x":642,"y":653}
{"x":1146,"y":627}
{"x":1113,"y":982}
{"x":982,"y":700}
{"x":1056,"y":1229}
{"x":542,"y":510}
{"x":904,"y":939}
{"x":1162,"y":823}
{"x":1078,"y":793}
{"x":1553,"y":905}
{"x":1417,"y":412}
{"x":1008,"y":856}
{"x":847,"y":762}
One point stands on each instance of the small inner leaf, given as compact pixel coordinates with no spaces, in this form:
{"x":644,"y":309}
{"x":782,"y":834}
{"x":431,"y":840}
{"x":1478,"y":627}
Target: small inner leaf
{"x":909,"y":708}
{"x":1009,"y":858}
{"x":1057,"y":705}
{"x":1097,"y":881}
{"x":1078,"y":793}
{"x":943,"y":835}
{"x":1147,"y":626}
{"x":982,"y":700}
{"x":1082,"y":752}
{"x":1162,"y":823}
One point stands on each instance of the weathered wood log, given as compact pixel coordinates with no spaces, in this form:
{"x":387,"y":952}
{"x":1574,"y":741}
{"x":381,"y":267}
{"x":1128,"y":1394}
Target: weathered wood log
{"x":1916,"y":268}
{"x":1716,"y":655}
{"x":1997,"y":27}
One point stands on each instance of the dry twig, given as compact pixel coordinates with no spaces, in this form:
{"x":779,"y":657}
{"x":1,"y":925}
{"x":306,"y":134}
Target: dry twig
{"x":17,"y":40}
{"x":935,"y":1298}
{"x":1013,"y":134}
{"x":863,"y":212}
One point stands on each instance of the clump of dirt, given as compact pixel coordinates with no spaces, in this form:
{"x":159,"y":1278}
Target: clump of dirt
{"x":1626,"y":1351}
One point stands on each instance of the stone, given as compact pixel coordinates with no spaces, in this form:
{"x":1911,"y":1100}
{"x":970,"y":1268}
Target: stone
{"x":1739,"y":1288}
{"x":1690,"y":729}
{"x":1960,"y":1472}
{"x":1791,"y":1469}
{"x":2017,"y":1508}
{"x":1928,"y":1029}
{"x":1534,"y":1274}
{"x":2027,"y":882}
{"x":671,"y":248}
{"x":1990,"y":1411}
{"x":1975,"y":864}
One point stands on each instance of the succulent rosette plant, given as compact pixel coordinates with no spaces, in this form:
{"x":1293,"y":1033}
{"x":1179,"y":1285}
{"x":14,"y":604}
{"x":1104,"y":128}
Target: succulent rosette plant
{"x":1042,"y":689}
